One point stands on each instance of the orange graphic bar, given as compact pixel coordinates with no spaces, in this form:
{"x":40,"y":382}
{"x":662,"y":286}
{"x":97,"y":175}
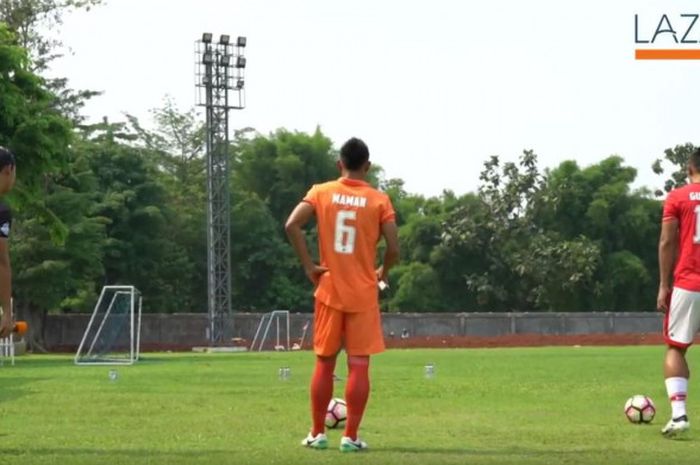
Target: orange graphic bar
{"x":667,"y":54}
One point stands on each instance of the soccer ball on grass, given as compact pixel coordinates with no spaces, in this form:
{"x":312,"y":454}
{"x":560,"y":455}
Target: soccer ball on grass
{"x":336,"y":414}
{"x":640,"y":409}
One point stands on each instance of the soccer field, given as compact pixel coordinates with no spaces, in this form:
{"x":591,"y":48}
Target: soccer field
{"x":488,"y":406}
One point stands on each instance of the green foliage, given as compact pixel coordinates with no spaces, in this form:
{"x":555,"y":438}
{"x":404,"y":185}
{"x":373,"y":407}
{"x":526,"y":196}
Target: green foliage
{"x":52,"y":275}
{"x":263,"y":266}
{"x":678,"y":158}
{"x":29,"y":124}
{"x":276,"y":171}
{"x":281,"y":167}
{"x":32,"y":20}
{"x":140,"y":249}
{"x":566,"y":239}
{"x":596,"y":202}
{"x":175,"y":147}
{"x":519,"y":265}
{"x":418,"y":288}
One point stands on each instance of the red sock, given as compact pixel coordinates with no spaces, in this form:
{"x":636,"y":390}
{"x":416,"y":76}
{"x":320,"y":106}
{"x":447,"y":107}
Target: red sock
{"x":356,"y":393}
{"x":321,"y":392}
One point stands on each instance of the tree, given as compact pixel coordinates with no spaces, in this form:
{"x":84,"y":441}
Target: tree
{"x":176,"y":148}
{"x":40,"y":135}
{"x":28,"y":122}
{"x":521,"y":265}
{"x":678,"y":158}
{"x":32,"y":22}
{"x":177,"y":143}
{"x":265,"y":273}
{"x":31,"y":19}
{"x":140,"y":249}
{"x":52,"y":275}
{"x":418,"y":288}
{"x":598,"y":203}
{"x":282,"y":167}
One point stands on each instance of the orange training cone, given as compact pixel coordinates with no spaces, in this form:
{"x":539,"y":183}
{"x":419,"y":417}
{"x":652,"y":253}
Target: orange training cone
{"x":20,"y":328}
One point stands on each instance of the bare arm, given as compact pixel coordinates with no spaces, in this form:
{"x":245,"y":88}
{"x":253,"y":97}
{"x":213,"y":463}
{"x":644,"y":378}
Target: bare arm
{"x":668,"y":245}
{"x":5,"y":288}
{"x":391,"y":254}
{"x":299,"y":217}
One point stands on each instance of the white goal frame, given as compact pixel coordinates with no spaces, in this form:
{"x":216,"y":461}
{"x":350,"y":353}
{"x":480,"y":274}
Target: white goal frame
{"x":266,"y":323}
{"x":134,"y":329}
{"x":7,"y":346}
{"x":7,"y":350}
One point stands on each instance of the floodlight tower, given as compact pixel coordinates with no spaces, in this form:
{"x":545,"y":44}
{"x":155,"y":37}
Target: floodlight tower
{"x":220,"y":82}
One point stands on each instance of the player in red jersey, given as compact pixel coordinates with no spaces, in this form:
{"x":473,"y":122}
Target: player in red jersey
{"x":679,"y":245}
{"x":352,"y":216}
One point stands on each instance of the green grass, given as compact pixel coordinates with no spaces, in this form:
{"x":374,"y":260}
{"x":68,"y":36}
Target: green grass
{"x":491,"y":406}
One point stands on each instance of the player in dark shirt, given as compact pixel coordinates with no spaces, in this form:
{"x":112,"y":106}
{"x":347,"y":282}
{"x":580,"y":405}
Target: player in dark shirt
{"x":7,"y":181}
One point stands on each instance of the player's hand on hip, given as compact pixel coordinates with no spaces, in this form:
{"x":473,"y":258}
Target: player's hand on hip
{"x":314,"y":273}
{"x":382,"y":278}
{"x":663,"y":299}
{"x":6,"y":325}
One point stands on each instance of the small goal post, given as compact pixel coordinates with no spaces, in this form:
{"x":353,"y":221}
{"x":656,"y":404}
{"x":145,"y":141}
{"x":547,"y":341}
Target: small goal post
{"x":7,"y":350}
{"x":278,"y":321}
{"x":7,"y":346}
{"x":113,"y":334}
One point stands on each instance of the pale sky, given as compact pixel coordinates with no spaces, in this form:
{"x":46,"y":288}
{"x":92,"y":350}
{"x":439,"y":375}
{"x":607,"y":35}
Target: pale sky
{"x":434,"y":87}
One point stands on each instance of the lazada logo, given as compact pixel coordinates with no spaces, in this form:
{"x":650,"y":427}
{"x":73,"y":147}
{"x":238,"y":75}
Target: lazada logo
{"x":667,"y":37}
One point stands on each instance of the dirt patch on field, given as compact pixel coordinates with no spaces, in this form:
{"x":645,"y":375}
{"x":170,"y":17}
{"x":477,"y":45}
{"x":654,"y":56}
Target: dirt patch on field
{"x":525,"y":340}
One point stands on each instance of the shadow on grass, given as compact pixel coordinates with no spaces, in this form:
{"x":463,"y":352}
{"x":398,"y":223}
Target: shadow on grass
{"x":42,"y":361}
{"x":465,"y":451}
{"x":8,"y":395}
{"x":102,"y":452}
{"x":11,"y":388}
{"x":17,"y":381}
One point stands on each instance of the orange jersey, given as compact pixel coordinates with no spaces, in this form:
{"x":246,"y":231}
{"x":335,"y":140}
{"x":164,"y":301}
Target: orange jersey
{"x":349,"y":214}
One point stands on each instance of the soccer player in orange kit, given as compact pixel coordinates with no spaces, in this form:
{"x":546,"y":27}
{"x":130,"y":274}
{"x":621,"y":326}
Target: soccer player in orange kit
{"x":352,"y":217}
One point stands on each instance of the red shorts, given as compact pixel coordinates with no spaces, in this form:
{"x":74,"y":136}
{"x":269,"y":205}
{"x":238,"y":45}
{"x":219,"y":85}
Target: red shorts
{"x":359,"y":333}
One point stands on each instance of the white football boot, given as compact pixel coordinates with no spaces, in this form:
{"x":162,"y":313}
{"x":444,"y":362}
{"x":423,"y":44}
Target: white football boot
{"x":320,"y":441}
{"x":676,"y":427}
{"x":348,"y":445}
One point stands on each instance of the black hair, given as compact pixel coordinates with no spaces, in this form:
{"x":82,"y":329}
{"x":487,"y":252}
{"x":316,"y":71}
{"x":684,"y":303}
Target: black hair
{"x":354,"y":153}
{"x":694,"y":160}
{"x":7,"y":158}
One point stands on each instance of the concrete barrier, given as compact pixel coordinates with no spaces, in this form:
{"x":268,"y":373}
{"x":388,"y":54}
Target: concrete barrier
{"x":189,"y":329}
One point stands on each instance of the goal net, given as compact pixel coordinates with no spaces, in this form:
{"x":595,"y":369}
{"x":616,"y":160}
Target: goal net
{"x":273,"y":332}
{"x":112,"y":336}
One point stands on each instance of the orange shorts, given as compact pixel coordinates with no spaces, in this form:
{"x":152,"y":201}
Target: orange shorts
{"x":359,"y":333}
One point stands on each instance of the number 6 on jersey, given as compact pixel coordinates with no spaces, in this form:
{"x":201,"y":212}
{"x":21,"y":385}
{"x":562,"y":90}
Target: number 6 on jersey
{"x":345,"y":233}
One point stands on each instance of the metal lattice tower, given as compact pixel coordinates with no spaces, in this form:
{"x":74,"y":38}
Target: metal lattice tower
{"x":220,"y":88}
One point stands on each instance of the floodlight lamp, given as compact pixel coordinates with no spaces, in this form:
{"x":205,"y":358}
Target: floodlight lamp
{"x":241,"y":41}
{"x":240,"y":62}
{"x":240,"y":84}
{"x":207,"y":58}
{"x":206,"y":37}
{"x":225,"y":60}
{"x":224,"y":39}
